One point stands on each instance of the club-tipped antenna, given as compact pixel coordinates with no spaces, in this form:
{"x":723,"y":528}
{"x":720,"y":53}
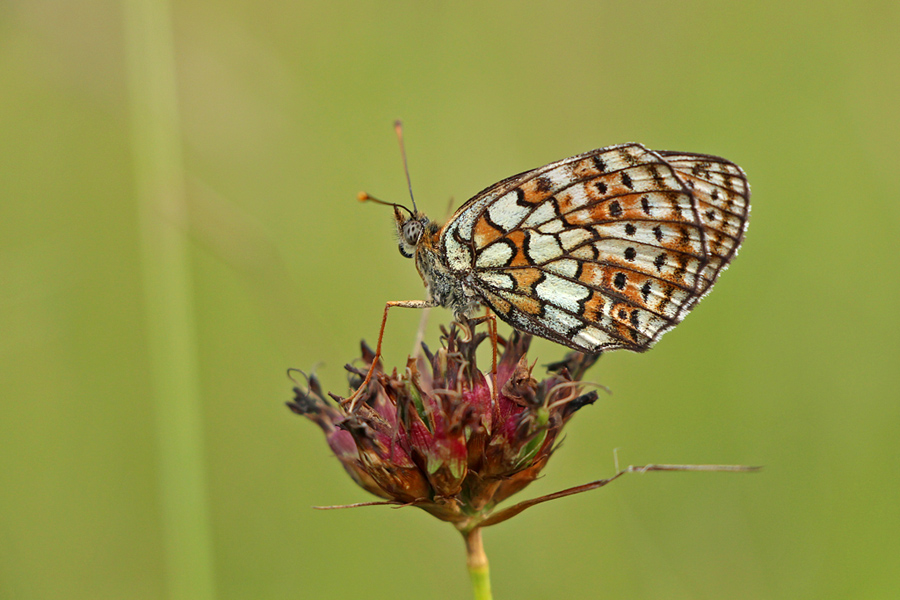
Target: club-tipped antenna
{"x":365,"y":197}
{"x":398,"y":128}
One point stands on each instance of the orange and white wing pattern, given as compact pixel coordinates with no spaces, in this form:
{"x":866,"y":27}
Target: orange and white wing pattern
{"x":608,"y":249}
{"x":723,"y":203}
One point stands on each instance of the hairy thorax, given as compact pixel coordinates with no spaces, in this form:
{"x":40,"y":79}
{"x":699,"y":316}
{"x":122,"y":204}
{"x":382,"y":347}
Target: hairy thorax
{"x":445,"y":287}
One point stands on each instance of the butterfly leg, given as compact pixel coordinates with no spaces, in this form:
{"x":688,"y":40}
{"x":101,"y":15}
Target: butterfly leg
{"x":351,"y":401}
{"x":420,"y":333}
{"x":492,"y":330}
{"x":491,"y":320}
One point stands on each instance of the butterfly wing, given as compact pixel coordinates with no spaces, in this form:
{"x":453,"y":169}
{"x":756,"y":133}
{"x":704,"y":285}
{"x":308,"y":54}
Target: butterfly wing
{"x":599,"y":251}
{"x":723,"y":197}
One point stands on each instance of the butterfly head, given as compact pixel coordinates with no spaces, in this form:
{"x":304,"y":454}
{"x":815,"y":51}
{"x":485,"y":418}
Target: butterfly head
{"x":410,"y":229}
{"x":411,"y":224}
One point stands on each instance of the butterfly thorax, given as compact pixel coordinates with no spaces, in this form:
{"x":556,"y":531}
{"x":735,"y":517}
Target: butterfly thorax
{"x":419,"y":237}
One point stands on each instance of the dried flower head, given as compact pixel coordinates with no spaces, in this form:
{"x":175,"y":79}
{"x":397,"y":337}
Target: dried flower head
{"x":437,"y":436}
{"x":455,"y":441}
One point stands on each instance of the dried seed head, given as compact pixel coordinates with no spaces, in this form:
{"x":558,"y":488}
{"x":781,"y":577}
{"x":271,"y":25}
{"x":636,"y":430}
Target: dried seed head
{"x":435,"y":436}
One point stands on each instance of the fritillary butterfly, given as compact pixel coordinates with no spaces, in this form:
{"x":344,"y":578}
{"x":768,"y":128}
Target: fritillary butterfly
{"x":604,"y":250}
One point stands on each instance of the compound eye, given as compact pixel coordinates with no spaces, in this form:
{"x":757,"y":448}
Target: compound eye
{"x":412,"y":231}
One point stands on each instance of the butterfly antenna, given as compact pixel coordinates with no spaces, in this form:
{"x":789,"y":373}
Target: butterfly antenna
{"x":366,"y":197}
{"x":398,"y":128}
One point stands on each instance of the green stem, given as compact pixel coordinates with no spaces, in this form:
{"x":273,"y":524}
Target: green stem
{"x":170,"y":327}
{"x":477,"y":562}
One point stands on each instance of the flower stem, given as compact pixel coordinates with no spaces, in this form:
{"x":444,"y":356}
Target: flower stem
{"x":186,"y":537}
{"x":478,"y":565}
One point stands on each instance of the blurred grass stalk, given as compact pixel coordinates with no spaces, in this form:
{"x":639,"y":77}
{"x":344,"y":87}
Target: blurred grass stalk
{"x":159,"y":185}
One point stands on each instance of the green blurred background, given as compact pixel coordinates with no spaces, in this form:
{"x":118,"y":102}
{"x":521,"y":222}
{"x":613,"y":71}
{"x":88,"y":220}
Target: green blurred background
{"x":284,"y":112}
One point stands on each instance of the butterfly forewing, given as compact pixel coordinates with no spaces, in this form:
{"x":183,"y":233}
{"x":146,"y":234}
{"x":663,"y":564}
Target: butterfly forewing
{"x":607,"y":249}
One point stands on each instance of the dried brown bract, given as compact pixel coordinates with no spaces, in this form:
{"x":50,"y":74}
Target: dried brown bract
{"x":436,"y":436}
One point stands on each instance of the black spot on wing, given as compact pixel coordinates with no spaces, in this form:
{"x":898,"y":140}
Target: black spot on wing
{"x":701,"y":170}
{"x":681,"y":269}
{"x":659,"y":261}
{"x":658,"y":179}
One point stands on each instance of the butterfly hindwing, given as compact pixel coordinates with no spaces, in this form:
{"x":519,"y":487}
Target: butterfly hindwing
{"x":603,"y":250}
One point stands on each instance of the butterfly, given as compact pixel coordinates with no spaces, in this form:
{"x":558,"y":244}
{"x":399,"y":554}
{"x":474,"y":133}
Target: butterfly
{"x":604,"y":250}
